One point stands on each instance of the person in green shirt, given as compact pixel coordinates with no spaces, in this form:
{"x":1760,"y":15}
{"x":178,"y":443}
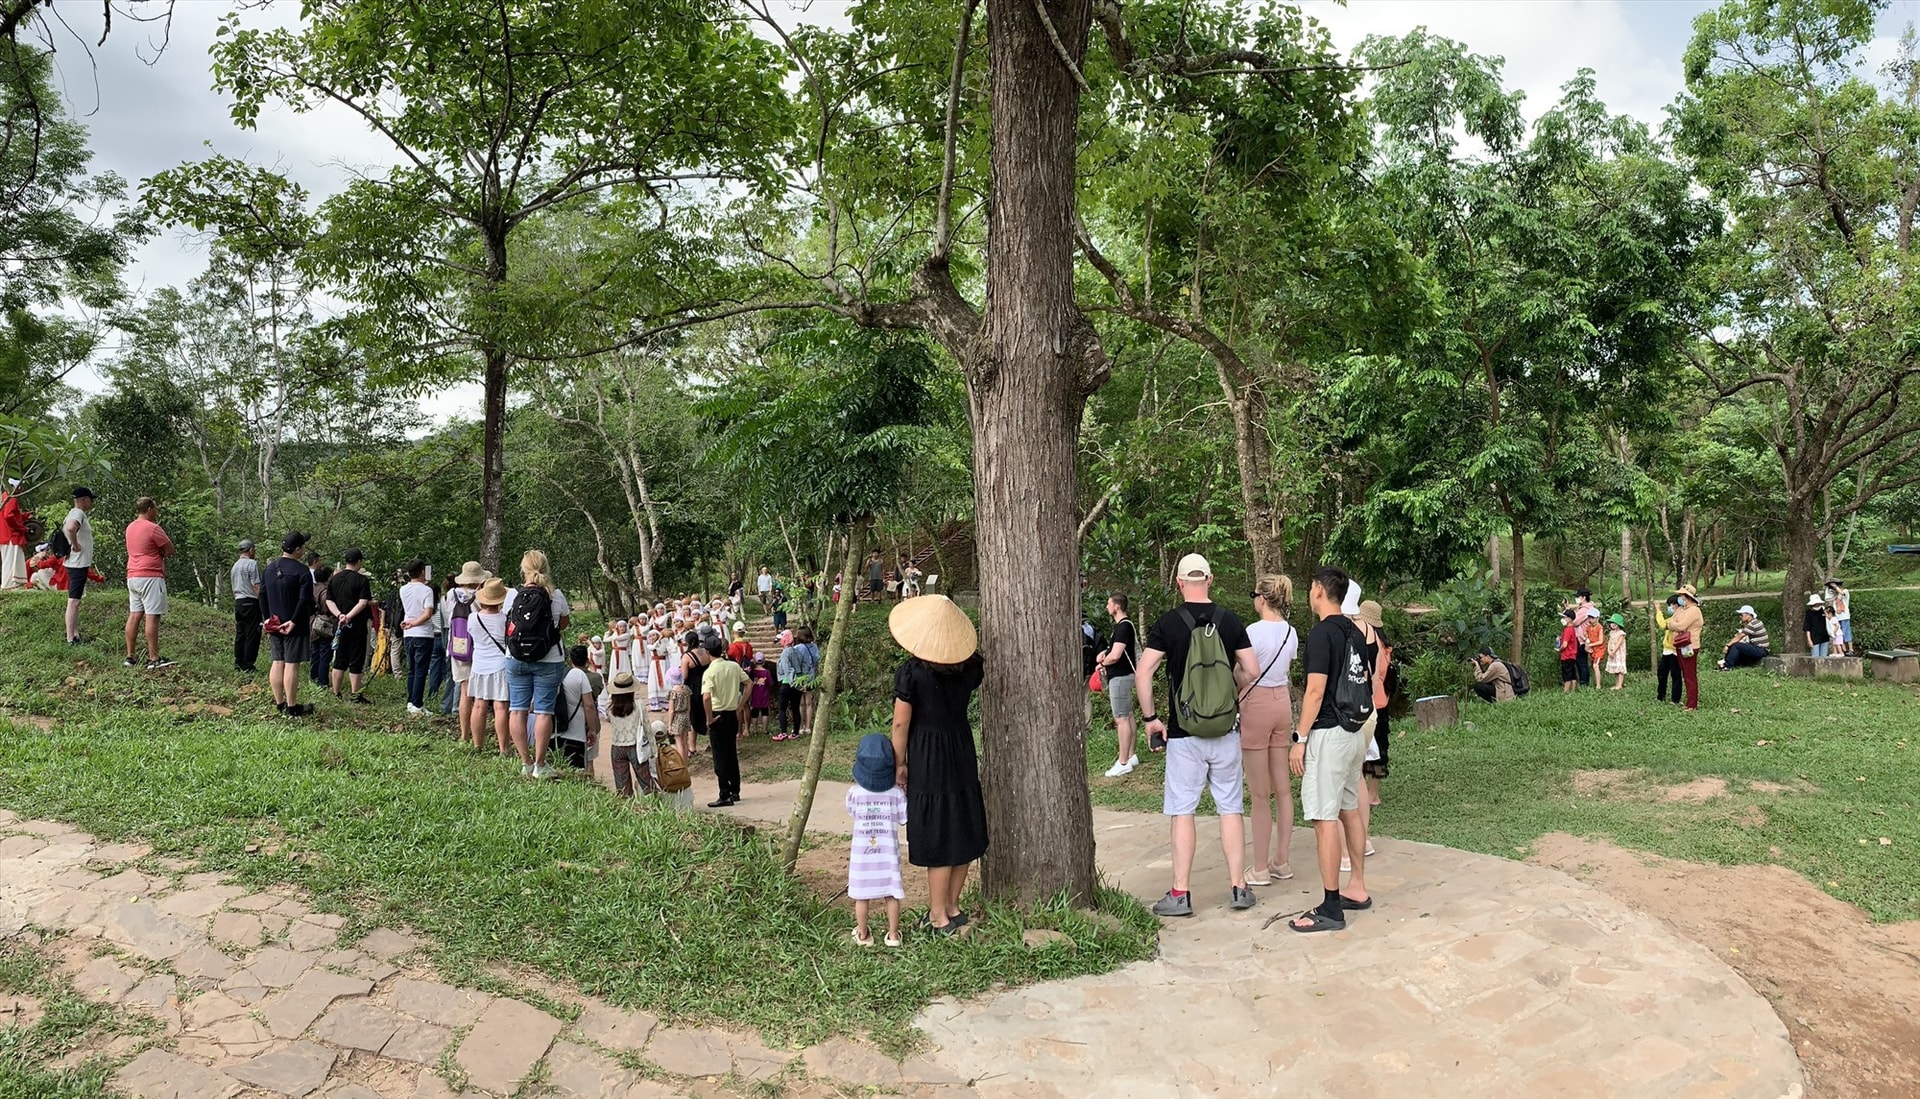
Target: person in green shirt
{"x":723,"y":690}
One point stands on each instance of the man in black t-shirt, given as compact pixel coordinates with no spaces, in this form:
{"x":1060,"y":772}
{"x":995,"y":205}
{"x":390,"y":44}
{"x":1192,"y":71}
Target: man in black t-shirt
{"x":350,"y":598}
{"x":1327,"y":756}
{"x":1116,"y":665}
{"x":286,"y":588}
{"x":1193,"y":762}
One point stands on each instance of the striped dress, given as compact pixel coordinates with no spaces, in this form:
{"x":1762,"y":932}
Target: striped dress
{"x":873,"y":868}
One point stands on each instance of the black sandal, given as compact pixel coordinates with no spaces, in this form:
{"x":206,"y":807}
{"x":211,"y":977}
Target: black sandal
{"x":1348,"y":904}
{"x":1320,"y":921}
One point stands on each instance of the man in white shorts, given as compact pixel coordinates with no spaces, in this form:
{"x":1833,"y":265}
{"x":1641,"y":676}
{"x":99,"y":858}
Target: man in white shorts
{"x":1196,"y":763}
{"x":1327,"y":755}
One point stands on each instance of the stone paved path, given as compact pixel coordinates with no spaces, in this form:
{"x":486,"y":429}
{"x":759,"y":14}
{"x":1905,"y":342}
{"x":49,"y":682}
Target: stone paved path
{"x":1474,"y":976}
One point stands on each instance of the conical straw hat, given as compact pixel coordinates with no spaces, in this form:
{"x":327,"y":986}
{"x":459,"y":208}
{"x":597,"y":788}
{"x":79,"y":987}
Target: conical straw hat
{"x":933,"y":629}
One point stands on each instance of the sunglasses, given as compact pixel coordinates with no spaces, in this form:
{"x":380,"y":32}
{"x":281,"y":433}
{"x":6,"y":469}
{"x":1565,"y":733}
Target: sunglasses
{"x":1256,"y":595}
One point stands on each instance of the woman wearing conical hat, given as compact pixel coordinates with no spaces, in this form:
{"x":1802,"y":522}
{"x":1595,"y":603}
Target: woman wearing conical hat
{"x":933,"y":747}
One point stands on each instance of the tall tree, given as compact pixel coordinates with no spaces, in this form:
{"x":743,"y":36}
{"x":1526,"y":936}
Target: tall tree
{"x":500,"y":112}
{"x":61,"y":253}
{"x":1815,"y":295}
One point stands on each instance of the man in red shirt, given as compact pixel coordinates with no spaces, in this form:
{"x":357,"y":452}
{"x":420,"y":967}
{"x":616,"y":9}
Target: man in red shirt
{"x":148,"y":548}
{"x":13,"y":537}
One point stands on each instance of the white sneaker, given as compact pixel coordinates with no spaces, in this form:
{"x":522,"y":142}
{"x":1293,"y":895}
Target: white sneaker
{"x":1346,"y":865}
{"x":414,"y":711}
{"x":542,"y":771}
{"x":526,"y":770}
{"x":1119,"y":769}
{"x":1132,"y":762}
{"x":1370,"y":851}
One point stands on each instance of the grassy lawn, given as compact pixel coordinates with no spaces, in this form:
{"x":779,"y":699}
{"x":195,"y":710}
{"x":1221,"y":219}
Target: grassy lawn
{"x":388,"y":822}
{"x":1844,"y":752}
{"x":69,"y":1029}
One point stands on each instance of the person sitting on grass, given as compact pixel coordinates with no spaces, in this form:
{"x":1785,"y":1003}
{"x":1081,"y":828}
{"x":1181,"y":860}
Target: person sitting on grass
{"x":878,"y":807}
{"x":1749,"y":644}
{"x":1492,"y":682}
{"x":1571,"y":655}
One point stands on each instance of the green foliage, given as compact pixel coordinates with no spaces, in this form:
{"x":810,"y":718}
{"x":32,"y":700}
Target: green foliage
{"x":61,"y":251}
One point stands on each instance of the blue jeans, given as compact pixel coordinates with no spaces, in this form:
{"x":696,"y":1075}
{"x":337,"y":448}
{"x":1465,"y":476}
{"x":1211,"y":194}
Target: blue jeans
{"x":419,"y":663}
{"x":320,"y":668}
{"x":533,"y":687}
{"x":1743,"y":654}
{"x":437,"y":671}
{"x":1823,"y":648}
{"x":450,"y":693}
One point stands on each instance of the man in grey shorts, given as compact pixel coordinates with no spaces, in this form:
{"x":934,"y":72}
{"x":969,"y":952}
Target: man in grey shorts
{"x":1196,"y":763}
{"x":1327,"y":755}
{"x":1116,"y":665}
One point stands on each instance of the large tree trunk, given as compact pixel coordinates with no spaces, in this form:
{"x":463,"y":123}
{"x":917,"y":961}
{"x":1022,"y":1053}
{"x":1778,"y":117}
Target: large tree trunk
{"x":493,"y":446}
{"x":1803,"y":564}
{"x":1262,"y":519}
{"x":822,"y":715}
{"x":1027,"y":388}
{"x":1518,"y":648}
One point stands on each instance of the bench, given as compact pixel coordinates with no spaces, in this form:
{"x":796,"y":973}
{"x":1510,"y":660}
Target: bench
{"x":1896,"y":665}
{"x":1802,"y":666}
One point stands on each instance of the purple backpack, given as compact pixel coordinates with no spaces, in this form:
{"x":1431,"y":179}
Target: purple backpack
{"x":459,"y":637}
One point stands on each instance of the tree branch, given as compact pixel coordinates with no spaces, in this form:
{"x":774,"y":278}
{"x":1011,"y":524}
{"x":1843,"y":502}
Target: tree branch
{"x":943,"y":212}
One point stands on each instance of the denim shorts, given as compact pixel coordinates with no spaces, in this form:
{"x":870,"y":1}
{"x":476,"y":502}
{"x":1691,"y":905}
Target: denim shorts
{"x":534,"y":687}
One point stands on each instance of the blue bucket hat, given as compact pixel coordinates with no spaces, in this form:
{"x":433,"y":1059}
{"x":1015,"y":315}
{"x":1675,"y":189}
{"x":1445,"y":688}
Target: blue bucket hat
{"x":873,"y":763}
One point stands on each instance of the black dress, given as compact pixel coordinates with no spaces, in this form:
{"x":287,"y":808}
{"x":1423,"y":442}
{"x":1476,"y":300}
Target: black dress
{"x":946,"y":816}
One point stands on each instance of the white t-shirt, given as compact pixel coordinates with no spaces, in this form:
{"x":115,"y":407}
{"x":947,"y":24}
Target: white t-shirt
{"x":82,"y":539}
{"x":766,"y":582}
{"x":489,"y":641}
{"x":572,"y":705}
{"x":560,"y":611}
{"x":416,"y":599}
{"x":1271,"y":639}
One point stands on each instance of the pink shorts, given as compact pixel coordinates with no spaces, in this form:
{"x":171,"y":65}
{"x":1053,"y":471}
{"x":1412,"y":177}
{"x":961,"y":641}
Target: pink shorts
{"x":1266,"y":719}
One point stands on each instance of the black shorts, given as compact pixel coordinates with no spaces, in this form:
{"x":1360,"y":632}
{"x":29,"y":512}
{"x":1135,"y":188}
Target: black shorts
{"x":77,"y":583}
{"x":1570,"y":670}
{"x":350,"y":648}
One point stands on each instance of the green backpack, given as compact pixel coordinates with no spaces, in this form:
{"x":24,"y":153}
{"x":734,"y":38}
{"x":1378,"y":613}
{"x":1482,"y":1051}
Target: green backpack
{"x":1208,"y":701}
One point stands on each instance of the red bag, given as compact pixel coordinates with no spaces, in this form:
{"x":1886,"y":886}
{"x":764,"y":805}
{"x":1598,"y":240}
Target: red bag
{"x":1095,"y":682}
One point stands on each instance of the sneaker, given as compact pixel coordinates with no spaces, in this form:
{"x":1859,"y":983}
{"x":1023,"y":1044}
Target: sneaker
{"x":158,"y":665}
{"x":1242,"y":899}
{"x":1132,"y":762}
{"x":1119,"y":769}
{"x":526,"y":770}
{"x":131,"y":662}
{"x":415,"y":711}
{"x":542,"y":771}
{"x":1283,"y":872}
{"x":1346,"y":865}
{"x":361,"y":699}
{"x":1258,"y":877}
{"x":1370,"y":851}
{"x":1171,"y":905}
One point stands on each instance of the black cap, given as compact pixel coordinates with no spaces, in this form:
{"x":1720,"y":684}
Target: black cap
{"x":82,"y":490}
{"x":1486,"y":650}
{"x":293,"y":541}
{"x":353,"y":557}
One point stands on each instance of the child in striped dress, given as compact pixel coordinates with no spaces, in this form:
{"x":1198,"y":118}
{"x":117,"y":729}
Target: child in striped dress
{"x":879,"y":810}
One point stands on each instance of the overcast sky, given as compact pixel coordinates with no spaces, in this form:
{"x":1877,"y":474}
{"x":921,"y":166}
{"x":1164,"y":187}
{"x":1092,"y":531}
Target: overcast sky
{"x":150,"y":109}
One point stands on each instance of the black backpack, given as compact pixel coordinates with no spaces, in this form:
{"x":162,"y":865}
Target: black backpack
{"x":58,"y":544}
{"x":1517,"y":676}
{"x":531,"y":630}
{"x":1353,"y":683}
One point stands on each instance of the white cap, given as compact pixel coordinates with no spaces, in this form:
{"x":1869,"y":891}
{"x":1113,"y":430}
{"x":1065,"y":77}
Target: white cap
{"x":1193,"y":567}
{"x":1350,"y":606}
{"x":1748,"y":609}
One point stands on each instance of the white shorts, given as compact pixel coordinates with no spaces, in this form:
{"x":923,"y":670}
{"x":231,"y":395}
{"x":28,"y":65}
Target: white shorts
{"x":487,"y":686}
{"x":1332,"y":779}
{"x":462,"y":670}
{"x":147,"y":595}
{"x":1200,"y":763}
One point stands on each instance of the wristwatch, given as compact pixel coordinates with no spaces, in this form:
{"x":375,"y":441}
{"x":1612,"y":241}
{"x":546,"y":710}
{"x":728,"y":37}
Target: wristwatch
{"x":1297,"y":738}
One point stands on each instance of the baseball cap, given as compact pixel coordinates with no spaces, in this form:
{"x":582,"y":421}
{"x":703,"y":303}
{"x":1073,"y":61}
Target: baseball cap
{"x":246,"y":544}
{"x":1193,"y":567}
{"x":83,"y":491}
{"x":1350,"y":606}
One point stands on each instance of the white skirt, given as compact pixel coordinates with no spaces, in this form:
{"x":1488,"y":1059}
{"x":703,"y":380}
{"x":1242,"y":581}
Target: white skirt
{"x":489,"y":686}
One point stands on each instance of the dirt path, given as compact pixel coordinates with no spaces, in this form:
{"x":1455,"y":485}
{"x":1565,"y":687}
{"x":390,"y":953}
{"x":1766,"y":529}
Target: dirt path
{"x":1847,"y":989}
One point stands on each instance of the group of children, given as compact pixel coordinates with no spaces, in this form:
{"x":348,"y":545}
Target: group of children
{"x":1591,"y":646}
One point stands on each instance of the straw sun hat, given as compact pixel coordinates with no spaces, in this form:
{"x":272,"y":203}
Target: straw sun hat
{"x":472,"y":573}
{"x":933,"y":629}
{"x":493,"y":593}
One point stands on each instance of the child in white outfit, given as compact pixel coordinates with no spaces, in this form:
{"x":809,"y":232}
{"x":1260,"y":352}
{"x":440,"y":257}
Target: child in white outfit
{"x":879,"y":810}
